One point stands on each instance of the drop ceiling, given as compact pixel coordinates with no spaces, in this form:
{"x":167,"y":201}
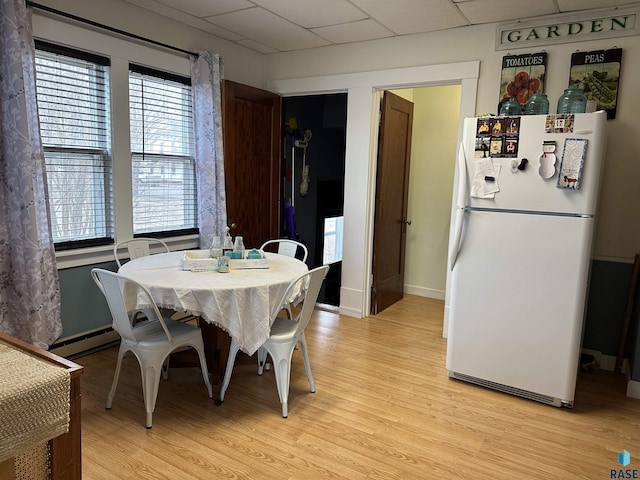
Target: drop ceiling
{"x":270,"y":26}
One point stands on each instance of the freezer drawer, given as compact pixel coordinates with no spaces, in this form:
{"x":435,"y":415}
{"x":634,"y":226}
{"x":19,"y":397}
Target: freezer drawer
{"x":517,"y":301}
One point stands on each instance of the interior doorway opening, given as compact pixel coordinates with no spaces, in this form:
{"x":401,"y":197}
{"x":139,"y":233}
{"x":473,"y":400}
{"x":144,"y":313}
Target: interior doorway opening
{"x":312,"y":190}
{"x":436,"y":119}
{"x":363,"y":93}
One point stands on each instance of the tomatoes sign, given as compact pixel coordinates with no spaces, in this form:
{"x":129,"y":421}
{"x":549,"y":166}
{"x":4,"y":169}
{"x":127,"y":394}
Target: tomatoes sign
{"x":522,"y":76}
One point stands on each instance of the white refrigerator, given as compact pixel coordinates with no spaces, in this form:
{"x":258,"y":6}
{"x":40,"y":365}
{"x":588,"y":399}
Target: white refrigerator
{"x":519,"y":259}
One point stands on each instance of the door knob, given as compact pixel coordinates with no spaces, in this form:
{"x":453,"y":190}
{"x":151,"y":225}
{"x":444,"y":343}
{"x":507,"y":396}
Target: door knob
{"x":407,"y":222}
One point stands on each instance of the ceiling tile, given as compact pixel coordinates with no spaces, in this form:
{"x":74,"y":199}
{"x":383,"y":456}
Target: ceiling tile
{"x":487,"y":11}
{"x":258,"y":47}
{"x":268,"y":29}
{"x":206,"y":8}
{"x":413,"y":16}
{"x":353,"y":32}
{"x":314,"y":13}
{"x":268,"y":26}
{"x":569,"y":5}
{"x":182,"y":17}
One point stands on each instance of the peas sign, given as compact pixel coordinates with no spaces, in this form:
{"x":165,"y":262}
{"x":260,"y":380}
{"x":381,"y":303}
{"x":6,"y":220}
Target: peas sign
{"x":598,"y":74}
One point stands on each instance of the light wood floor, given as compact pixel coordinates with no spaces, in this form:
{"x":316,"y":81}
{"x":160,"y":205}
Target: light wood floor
{"x":384,"y":409}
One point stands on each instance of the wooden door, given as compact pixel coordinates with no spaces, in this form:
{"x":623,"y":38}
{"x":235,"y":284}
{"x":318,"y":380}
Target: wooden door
{"x":392,"y":188}
{"x":251,"y":125}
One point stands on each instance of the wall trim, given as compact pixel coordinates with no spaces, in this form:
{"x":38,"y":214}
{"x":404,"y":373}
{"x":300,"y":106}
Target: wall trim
{"x":633,"y":389}
{"x":363,"y":104}
{"x":85,"y":342}
{"x":605,"y":362}
{"x":615,"y":260}
{"x":80,"y":257}
{"x":424,"y":292}
{"x":608,"y":363}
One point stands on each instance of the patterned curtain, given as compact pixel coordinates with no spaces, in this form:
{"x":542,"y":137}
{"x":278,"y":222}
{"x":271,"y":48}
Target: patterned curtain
{"x":206,"y":77}
{"x":29,"y":286}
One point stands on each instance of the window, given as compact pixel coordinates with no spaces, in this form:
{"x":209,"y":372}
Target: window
{"x":73,"y":107}
{"x":162,"y":152}
{"x":332,"y":251}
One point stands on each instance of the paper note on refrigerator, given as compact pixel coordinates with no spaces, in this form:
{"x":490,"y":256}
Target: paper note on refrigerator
{"x":485,"y":179}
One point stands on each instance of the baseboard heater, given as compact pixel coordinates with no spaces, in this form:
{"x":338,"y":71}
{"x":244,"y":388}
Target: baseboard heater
{"x":556,"y":402}
{"x":84,"y":343}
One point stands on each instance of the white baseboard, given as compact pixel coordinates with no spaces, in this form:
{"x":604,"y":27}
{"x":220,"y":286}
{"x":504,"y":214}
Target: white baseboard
{"x":350,"y":312}
{"x":633,"y":389}
{"x":85,"y":342}
{"x":608,"y":363}
{"x":351,"y":303}
{"x":424,"y":292}
{"x":597,"y":355}
{"x":605,"y":362}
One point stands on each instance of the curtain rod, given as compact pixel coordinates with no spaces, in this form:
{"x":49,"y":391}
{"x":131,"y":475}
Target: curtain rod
{"x":106,"y":27}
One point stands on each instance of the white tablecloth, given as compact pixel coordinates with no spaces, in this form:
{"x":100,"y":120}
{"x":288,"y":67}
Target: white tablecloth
{"x":240,"y":302}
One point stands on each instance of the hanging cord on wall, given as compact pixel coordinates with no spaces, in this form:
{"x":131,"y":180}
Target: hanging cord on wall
{"x":304,"y":183}
{"x":106,"y":27}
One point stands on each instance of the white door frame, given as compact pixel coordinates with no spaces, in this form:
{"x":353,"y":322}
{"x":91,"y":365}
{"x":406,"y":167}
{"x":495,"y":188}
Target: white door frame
{"x":364,"y":91}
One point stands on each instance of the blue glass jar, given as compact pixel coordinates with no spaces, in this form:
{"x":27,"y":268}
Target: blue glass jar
{"x":510,"y":107}
{"x":573,"y":100}
{"x":537,"y":104}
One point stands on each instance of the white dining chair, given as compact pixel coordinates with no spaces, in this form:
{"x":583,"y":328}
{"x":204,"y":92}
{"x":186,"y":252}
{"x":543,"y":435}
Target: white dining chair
{"x":150,"y":341}
{"x":288,"y":247}
{"x":141,"y":247}
{"x":138,"y":247}
{"x":284,"y":336}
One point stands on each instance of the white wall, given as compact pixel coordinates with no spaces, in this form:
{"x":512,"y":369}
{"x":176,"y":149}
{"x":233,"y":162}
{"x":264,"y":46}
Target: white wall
{"x":617,"y":234}
{"x":241,"y":64}
{"x":363,"y":104}
{"x":433,"y":150}
{"x":618,"y":231}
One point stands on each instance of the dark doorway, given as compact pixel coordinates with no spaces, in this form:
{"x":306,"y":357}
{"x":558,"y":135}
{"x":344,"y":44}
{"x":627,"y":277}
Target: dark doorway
{"x":314,"y":135}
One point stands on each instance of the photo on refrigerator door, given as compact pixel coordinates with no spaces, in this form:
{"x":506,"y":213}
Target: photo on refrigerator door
{"x":495,"y":147}
{"x":482,"y":147}
{"x":483,"y":137}
{"x":484,"y":125}
{"x":573,"y":155}
{"x":510,"y":147}
{"x":560,"y":123}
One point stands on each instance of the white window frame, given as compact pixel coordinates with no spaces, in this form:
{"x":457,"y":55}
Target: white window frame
{"x":83,"y":140}
{"x":121,"y":52}
{"x":180,"y":153}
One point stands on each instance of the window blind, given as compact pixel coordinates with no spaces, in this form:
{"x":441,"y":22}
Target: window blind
{"x":162,"y":152}
{"x":72,"y":91}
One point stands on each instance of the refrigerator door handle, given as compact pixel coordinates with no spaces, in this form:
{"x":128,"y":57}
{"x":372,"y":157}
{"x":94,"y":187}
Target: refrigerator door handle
{"x":461,"y":201}
{"x":457,"y":236}
{"x":460,"y":206}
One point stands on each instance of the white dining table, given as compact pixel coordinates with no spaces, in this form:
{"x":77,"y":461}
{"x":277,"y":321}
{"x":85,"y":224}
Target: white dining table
{"x":241,"y":302}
